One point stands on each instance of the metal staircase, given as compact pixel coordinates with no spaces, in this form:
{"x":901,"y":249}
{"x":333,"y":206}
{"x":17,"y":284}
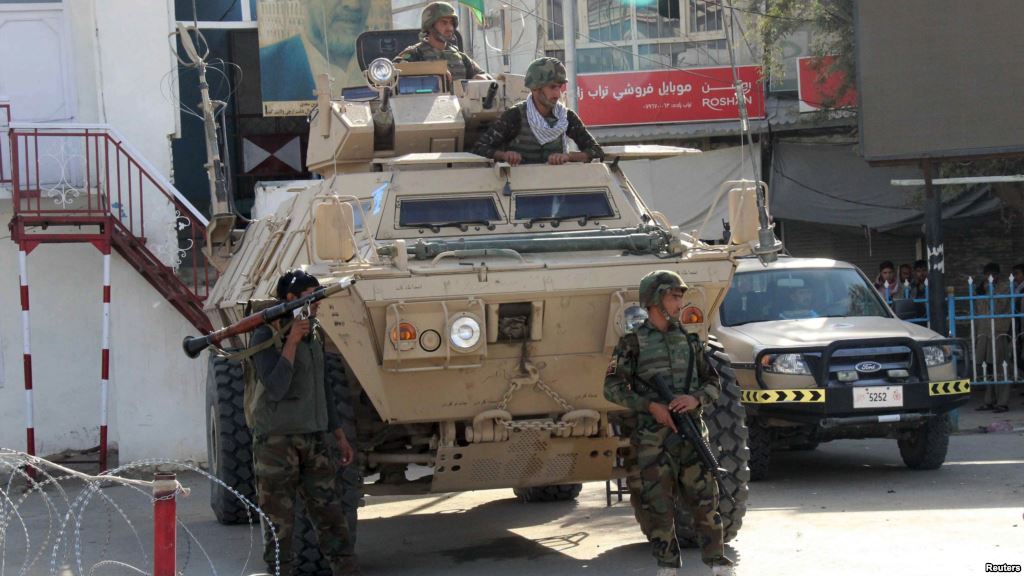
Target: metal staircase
{"x":77,"y":183}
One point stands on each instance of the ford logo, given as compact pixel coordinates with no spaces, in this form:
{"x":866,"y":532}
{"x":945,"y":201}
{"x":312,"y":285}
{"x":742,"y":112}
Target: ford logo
{"x":868,"y":366}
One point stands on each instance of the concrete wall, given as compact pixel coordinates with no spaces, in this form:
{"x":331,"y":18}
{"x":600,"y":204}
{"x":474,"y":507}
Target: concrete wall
{"x":124,"y":75}
{"x":156,"y":393}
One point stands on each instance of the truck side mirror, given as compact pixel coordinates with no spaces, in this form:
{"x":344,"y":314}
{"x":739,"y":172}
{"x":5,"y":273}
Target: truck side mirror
{"x":905,"y":309}
{"x":334,"y":231}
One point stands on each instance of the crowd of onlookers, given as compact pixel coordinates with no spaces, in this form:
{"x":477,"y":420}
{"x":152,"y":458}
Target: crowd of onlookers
{"x":910,"y":281}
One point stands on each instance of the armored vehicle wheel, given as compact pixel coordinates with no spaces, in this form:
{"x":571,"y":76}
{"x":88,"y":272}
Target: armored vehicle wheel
{"x":760,"y":442}
{"x":925,"y":448}
{"x":802,"y":447}
{"x":228,"y":442}
{"x":551,"y":493}
{"x":308,"y":560}
{"x":727,"y":430}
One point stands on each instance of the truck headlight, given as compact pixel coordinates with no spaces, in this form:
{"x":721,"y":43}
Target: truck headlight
{"x":937,"y":355}
{"x":785,"y":364}
{"x":381,"y":72}
{"x":464,"y":333}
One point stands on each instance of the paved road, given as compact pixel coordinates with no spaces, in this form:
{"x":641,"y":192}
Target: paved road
{"x":849,"y":508}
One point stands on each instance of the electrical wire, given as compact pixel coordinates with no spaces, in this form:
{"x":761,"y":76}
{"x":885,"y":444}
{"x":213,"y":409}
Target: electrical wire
{"x":755,"y":12}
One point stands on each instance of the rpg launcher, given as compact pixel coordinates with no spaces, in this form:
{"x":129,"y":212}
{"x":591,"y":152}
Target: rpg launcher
{"x":689,"y":430}
{"x":193,"y":345}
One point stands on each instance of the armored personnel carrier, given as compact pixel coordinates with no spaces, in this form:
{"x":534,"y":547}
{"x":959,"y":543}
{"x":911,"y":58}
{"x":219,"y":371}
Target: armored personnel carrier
{"x":480,"y":302}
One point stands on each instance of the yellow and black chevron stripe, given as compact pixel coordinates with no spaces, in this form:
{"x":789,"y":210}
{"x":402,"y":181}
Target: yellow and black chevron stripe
{"x":947,"y":388}
{"x":775,"y":396}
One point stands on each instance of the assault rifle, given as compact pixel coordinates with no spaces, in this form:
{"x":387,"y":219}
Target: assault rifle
{"x":299,"y":307}
{"x":689,"y":430}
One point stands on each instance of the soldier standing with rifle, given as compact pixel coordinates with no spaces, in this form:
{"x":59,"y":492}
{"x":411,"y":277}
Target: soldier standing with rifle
{"x":664,"y":466}
{"x":294,"y":420}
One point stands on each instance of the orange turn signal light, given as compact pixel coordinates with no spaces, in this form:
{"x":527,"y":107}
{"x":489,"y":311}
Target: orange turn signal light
{"x":693,"y":315}
{"x":403,"y":332}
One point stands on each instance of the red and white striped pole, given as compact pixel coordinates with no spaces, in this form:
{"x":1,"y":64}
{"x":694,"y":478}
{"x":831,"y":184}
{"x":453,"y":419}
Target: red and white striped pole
{"x":105,"y":357}
{"x":30,"y":432}
{"x":165,"y":519}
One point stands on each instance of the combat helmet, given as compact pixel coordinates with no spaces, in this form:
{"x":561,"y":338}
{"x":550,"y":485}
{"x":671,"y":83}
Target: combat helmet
{"x":434,"y":12}
{"x":654,"y":285}
{"x":544,"y":71}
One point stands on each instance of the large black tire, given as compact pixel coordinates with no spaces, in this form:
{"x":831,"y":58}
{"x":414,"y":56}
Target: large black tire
{"x":550,"y":493}
{"x":308,"y":560}
{"x":925,"y":448}
{"x":727,"y":433}
{"x":760,"y":443}
{"x":228,"y":442}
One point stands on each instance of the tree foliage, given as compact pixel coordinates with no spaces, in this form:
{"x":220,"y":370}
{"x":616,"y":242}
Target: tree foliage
{"x":830,"y":23}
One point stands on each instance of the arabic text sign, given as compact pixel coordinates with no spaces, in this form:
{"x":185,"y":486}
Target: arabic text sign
{"x":818,"y":85}
{"x":664,"y":96}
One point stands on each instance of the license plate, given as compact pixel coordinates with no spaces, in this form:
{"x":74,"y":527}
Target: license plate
{"x":878,"y":397}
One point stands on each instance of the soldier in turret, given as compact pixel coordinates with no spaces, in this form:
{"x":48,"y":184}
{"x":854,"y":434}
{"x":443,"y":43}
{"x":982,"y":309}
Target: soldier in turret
{"x":437,"y":42}
{"x":663,"y":469}
{"x":537,"y":130}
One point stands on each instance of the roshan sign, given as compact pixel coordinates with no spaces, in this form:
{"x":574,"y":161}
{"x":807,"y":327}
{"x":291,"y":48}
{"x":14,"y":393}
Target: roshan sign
{"x":668,"y":96}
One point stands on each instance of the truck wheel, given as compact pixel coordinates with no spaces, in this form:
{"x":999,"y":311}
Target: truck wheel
{"x":551,"y":493}
{"x":727,"y":431}
{"x":308,"y":560}
{"x":228,"y":442}
{"x":925,"y":448}
{"x":760,"y":450}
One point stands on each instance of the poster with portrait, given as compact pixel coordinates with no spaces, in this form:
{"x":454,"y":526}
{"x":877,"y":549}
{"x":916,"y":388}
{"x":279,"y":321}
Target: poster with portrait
{"x":300,"y":39}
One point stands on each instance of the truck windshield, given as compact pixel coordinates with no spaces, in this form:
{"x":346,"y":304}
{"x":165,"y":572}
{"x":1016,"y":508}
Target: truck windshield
{"x":799,"y":293}
{"x":588,"y":205}
{"x":444,"y":211}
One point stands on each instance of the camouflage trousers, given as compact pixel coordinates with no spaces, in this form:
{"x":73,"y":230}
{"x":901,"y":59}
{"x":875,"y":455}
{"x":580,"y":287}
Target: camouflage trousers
{"x":291,"y":465}
{"x":659,"y":479}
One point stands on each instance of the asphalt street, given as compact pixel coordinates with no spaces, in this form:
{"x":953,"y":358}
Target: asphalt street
{"x":848,"y":508}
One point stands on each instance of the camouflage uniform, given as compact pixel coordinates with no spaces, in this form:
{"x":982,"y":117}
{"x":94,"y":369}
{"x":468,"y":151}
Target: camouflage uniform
{"x":662,"y":468}
{"x":508,"y":134}
{"x":293,"y":453}
{"x":461,"y":66}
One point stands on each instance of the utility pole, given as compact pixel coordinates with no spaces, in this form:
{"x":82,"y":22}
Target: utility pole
{"x":569,"y":38}
{"x":935,"y":252}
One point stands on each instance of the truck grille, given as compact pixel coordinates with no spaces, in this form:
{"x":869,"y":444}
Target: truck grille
{"x":848,"y":359}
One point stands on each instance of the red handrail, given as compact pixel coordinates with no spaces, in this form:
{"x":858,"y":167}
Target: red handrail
{"x":5,"y":121}
{"x":64,"y":174}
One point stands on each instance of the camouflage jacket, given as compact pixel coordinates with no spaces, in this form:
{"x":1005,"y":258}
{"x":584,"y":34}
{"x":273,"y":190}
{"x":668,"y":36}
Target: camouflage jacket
{"x":504,"y":131}
{"x":647,"y":352}
{"x":460,"y":65}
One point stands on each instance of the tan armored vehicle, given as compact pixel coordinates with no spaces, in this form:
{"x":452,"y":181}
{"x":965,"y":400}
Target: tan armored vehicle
{"x":471,"y":349}
{"x":820,"y":356}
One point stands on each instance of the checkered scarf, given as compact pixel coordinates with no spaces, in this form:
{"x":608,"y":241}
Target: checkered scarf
{"x":541,"y":129}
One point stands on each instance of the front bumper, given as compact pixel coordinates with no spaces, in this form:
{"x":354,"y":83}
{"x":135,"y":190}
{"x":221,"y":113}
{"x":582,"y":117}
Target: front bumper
{"x":830,"y":404}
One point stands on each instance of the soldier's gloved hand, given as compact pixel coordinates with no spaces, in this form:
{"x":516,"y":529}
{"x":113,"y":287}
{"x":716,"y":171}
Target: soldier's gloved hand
{"x":662,"y":415}
{"x":683,"y":403}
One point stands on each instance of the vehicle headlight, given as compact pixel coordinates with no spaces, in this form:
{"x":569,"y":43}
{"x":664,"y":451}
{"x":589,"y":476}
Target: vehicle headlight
{"x":381,"y":71}
{"x":937,"y":355}
{"x":785,"y":364}
{"x":464,"y":333}
{"x":633,"y":317}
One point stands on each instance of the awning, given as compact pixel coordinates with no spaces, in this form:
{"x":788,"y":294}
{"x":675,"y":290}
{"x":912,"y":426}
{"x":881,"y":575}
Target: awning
{"x":828,"y":183}
{"x":683,"y":188}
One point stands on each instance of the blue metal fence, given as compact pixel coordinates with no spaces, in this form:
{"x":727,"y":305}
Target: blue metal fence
{"x":991,"y":320}
{"x":994,"y":322}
